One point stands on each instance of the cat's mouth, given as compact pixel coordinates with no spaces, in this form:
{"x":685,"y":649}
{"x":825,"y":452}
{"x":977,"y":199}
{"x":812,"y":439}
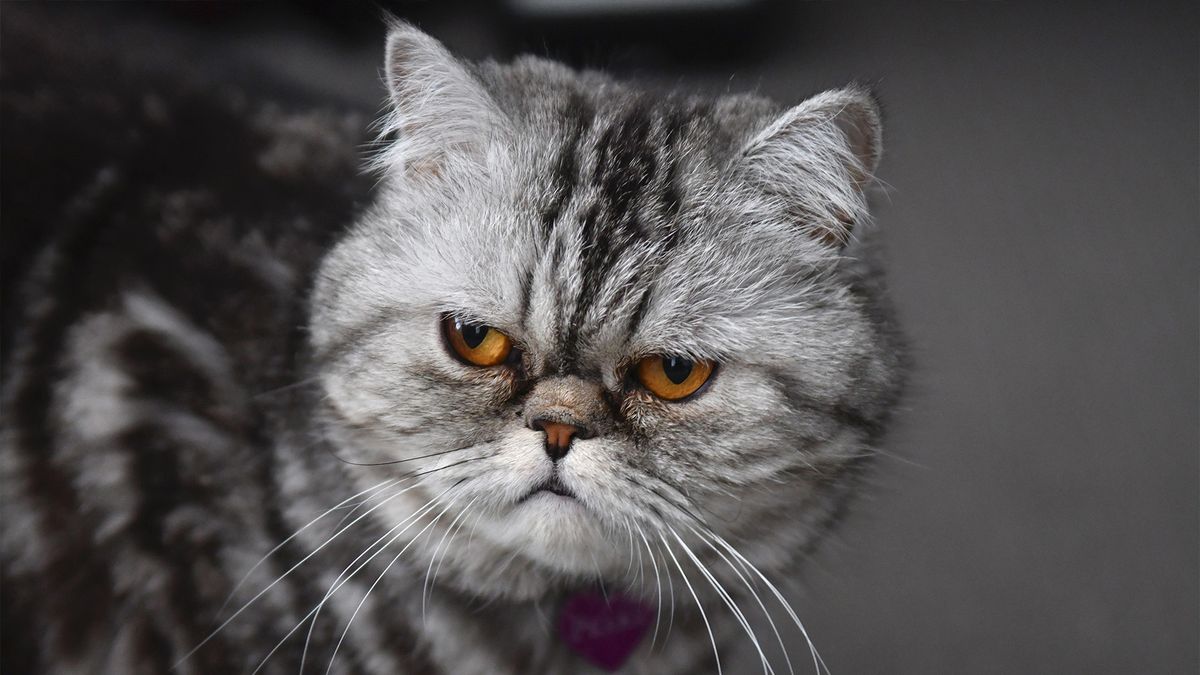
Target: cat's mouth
{"x":552,"y":486}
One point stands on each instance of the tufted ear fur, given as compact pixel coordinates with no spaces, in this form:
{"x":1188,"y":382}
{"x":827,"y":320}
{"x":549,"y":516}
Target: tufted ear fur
{"x":441,"y":119}
{"x":815,"y":160}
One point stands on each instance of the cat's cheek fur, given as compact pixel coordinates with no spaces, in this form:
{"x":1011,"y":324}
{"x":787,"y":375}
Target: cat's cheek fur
{"x":404,"y":369}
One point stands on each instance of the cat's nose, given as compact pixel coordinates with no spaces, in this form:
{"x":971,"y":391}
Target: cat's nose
{"x":565,"y":409}
{"x":559,"y":435}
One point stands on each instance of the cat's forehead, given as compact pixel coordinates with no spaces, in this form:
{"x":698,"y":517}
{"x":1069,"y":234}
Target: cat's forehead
{"x":622,"y":138}
{"x":596,"y":222}
{"x":622,"y":237}
{"x":620,"y":197}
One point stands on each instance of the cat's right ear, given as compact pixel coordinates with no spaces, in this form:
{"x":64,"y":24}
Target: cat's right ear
{"x":441,"y":119}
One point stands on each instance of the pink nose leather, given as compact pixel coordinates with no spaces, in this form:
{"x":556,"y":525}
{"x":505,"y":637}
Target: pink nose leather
{"x":559,"y":434}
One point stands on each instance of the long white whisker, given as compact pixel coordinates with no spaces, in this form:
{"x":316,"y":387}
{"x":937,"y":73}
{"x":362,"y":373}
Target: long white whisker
{"x":425,"y":588}
{"x":818,"y":662}
{"x":446,"y":553}
{"x":354,"y":509}
{"x":703,"y":615}
{"x":629,"y":565}
{"x":346,"y":574}
{"x":340,"y":581}
{"x":471,"y":534}
{"x":281,"y":577}
{"x":727,"y":599}
{"x":286,"y":387}
{"x":383,"y":485}
{"x":342,"y":638}
{"x":641,"y":562}
{"x":670,"y":596}
{"x":599,"y":577}
{"x":657,"y":584}
{"x":415,"y":474}
{"x":761,"y":605}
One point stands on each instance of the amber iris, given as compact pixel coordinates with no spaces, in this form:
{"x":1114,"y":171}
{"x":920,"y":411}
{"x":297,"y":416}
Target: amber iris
{"x":477,"y":344}
{"x":673,"y":377}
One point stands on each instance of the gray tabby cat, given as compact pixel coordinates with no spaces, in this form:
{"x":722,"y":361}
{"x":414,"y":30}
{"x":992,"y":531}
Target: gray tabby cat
{"x":583,"y":339}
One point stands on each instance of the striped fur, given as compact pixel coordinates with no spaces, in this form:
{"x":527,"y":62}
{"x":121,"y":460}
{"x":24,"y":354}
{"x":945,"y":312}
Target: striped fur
{"x":232,"y":436}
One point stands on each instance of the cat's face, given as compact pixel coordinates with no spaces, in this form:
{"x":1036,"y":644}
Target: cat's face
{"x":552,"y":254}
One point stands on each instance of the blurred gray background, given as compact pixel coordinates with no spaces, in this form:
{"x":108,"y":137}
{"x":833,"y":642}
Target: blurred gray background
{"x":1038,"y":509}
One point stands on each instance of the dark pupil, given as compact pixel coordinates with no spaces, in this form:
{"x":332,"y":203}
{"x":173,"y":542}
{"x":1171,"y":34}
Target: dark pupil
{"x":473,"y":335}
{"x":677,"y":369}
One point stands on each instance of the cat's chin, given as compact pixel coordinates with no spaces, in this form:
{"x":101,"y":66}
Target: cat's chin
{"x":540,"y":546}
{"x":557,"y":532}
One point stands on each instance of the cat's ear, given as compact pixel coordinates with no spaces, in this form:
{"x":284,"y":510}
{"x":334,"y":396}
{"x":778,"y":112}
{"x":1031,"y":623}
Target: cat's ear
{"x":817,"y":158}
{"x":441,"y":116}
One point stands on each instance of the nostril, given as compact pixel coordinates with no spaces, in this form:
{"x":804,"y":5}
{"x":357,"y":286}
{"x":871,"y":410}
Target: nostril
{"x":559,"y":435}
{"x":578,"y":429}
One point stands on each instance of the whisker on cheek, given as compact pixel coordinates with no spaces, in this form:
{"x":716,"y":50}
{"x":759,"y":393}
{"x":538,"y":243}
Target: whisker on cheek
{"x":754,"y":593}
{"x":425,"y":588}
{"x":818,"y":662}
{"x":342,"y":578}
{"x":408,"y":459}
{"x":375,"y":489}
{"x":281,"y":577}
{"x":393,"y":561}
{"x":699,"y":605}
{"x":727,"y":599}
{"x":657,"y":585}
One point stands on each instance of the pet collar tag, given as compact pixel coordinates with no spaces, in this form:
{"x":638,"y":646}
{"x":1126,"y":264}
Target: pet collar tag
{"x":605,"y":631}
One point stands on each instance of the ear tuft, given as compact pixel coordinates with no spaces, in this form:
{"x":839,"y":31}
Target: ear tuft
{"x":409,"y":52}
{"x":440,"y":112}
{"x":815,"y":160}
{"x":856,"y":113}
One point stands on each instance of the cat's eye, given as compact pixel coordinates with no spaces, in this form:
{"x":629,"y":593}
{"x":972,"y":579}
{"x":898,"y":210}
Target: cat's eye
{"x":672,"y":377}
{"x":475,"y":343}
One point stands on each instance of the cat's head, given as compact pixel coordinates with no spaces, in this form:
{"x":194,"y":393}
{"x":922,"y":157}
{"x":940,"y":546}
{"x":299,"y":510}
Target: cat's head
{"x":639,"y":301}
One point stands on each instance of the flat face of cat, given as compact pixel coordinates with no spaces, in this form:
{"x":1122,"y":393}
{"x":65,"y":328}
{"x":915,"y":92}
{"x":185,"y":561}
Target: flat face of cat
{"x":592,"y":318}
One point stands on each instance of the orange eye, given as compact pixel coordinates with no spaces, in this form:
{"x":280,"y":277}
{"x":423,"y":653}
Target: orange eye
{"x":673,"y":377}
{"x":477,"y":344}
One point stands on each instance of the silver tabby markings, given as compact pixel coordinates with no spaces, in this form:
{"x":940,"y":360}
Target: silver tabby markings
{"x":242,"y":442}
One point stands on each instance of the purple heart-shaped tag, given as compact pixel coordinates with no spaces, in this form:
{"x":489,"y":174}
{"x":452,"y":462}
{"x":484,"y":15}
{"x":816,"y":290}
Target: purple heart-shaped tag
{"x":603,"y":630}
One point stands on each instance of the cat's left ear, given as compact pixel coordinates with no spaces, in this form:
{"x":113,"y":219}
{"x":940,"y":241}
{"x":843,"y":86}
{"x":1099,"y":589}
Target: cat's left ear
{"x":817,"y":159}
{"x":442,"y":118}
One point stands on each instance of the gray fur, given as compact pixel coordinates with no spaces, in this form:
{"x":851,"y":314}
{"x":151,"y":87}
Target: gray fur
{"x":594,"y":224}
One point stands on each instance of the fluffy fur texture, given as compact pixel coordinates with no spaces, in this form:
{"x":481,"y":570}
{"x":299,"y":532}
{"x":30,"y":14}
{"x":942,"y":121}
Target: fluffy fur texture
{"x":234,"y":436}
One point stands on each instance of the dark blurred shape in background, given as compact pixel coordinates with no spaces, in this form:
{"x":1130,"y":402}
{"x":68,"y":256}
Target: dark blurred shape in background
{"x":580,"y":32}
{"x":1042,"y":224}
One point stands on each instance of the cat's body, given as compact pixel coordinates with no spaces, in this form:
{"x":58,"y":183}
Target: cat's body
{"x":206,"y":360}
